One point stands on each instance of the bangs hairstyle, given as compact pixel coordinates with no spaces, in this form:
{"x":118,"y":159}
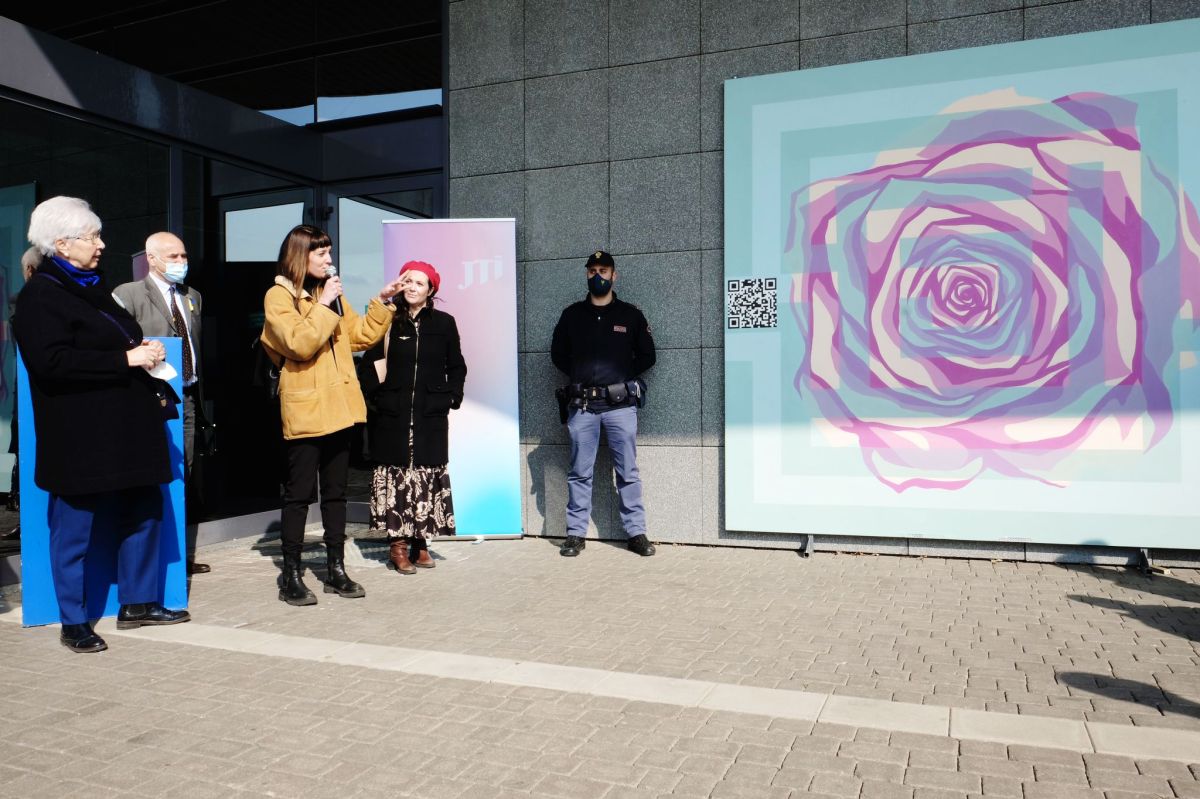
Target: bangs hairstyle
{"x":60,"y":218}
{"x":293,"y":253}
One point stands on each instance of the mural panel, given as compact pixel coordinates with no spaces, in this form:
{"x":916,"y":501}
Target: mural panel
{"x":961,"y":293}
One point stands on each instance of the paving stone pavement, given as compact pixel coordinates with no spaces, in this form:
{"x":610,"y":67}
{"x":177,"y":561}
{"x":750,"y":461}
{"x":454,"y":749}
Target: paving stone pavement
{"x":155,"y":718}
{"x":1082,"y":642}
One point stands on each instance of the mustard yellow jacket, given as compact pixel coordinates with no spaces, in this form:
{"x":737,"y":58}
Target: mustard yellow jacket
{"x":318,"y":389}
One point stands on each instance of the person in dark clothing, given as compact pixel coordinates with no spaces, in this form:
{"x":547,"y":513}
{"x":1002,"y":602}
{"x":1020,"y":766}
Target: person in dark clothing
{"x":603,"y":344}
{"x":411,"y":382}
{"x":30,"y":261}
{"x":101,"y":442}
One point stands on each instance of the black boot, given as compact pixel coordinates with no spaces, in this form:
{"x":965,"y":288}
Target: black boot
{"x":337,"y":581}
{"x":292,"y":589}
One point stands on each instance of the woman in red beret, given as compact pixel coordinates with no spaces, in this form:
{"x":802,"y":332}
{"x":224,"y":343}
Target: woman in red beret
{"x":411,"y":381}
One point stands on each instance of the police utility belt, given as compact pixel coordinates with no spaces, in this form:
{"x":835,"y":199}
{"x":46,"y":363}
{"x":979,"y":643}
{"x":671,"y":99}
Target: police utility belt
{"x":615,"y":395}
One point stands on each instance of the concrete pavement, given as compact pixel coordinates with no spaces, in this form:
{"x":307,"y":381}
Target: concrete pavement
{"x":509,"y":671}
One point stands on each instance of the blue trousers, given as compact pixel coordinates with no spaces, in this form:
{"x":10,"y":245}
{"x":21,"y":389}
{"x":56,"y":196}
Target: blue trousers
{"x":620,"y":427}
{"x":94,"y":528}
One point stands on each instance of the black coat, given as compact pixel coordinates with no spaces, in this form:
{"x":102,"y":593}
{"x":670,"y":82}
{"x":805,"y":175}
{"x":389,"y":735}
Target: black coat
{"x":422,"y":396}
{"x":99,"y":422}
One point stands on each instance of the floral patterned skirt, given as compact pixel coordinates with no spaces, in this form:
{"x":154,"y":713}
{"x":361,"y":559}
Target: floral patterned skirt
{"x":412,"y":502}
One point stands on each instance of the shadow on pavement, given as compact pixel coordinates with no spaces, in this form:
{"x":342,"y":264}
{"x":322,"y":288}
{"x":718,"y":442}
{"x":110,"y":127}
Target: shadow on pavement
{"x":1123,"y":690}
{"x":1174,"y":619}
{"x":548,"y":474}
{"x":1163,"y":585}
{"x":362,"y":544}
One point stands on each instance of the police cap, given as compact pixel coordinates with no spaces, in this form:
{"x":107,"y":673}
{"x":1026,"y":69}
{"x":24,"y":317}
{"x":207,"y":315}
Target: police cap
{"x":599,"y":258}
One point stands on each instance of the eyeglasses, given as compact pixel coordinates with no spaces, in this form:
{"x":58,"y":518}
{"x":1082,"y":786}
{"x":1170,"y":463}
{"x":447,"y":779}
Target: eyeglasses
{"x":92,"y":239}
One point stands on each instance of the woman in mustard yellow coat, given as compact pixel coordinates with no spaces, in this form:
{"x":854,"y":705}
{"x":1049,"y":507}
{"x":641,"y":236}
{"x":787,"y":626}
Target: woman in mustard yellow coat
{"x":311,"y":334}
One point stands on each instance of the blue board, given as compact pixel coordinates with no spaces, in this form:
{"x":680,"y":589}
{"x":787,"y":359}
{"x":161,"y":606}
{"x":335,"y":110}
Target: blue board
{"x":39,"y":604}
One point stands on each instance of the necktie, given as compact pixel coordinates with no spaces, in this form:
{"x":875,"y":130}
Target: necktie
{"x":182,"y":331}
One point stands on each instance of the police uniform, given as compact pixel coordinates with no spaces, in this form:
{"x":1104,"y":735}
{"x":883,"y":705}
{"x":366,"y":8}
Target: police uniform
{"x":603,"y":348}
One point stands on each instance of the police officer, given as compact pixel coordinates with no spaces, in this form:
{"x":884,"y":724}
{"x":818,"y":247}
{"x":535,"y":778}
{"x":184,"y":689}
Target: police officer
{"x":603,"y":344}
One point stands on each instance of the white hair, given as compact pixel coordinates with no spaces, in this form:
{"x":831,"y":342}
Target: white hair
{"x":60,"y":218}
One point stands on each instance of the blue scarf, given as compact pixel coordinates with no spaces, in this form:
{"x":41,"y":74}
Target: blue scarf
{"x":84,"y":277}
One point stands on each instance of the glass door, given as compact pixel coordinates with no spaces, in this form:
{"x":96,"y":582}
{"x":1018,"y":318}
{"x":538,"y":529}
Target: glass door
{"x":356,"y":215}
{"x":246,"y":475}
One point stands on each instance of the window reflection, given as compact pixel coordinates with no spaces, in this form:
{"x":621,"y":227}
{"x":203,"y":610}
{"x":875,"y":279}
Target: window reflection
{"x":253,"y":234}
{"x":301,"y":115}
{"x":331,"y":108}
{"x":42,"y":155}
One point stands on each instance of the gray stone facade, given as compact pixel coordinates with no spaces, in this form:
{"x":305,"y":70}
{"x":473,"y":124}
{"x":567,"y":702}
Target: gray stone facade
{"x":598,"y":125}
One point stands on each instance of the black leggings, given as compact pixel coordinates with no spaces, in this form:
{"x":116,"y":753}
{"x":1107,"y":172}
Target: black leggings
{"x":326,"y":457}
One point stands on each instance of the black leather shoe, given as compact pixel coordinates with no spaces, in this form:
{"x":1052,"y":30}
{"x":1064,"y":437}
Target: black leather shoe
{"x":149,"y":613}
{"x":641,"y":545}
{"x":572,"y":546}
{"x":198,"y":568}
{"x":80,"y":638}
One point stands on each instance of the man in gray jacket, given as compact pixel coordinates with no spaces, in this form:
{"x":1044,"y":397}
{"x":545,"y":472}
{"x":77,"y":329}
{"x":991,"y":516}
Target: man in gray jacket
{"x":164,"y":306}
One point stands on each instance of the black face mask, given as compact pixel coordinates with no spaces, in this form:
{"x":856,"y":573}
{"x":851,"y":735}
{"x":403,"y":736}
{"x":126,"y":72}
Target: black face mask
{"x":598,"y":286}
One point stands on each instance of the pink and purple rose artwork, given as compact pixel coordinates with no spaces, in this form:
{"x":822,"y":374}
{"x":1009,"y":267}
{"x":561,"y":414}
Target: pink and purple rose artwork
{"x":999,"y":299}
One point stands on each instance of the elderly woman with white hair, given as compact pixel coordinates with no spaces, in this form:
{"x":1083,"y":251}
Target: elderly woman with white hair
{"x":101,"y":443}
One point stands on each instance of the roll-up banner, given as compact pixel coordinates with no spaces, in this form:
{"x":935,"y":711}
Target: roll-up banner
{"x":476,"y":259}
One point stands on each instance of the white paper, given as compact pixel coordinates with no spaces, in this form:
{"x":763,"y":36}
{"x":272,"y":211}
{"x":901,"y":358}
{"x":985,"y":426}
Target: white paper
{"x":163,"y":370}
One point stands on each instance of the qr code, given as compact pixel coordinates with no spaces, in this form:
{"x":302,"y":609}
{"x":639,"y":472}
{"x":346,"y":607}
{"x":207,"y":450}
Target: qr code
{"x":752,"y":303}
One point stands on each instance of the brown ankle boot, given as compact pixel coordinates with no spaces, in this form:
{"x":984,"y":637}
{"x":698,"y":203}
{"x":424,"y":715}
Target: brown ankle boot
{"x":420,"y":555}
{"x":398,"y":553}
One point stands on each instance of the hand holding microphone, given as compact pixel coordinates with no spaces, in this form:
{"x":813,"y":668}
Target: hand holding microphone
{"x":331,"y":295}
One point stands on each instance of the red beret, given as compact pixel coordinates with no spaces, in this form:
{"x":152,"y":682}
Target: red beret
{"x":435,"y":279}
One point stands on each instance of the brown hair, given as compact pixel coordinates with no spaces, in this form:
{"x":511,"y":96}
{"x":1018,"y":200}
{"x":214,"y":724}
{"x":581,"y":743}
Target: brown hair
{"x":293,"y":252}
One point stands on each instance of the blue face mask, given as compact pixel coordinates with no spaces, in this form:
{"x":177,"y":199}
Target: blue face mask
{"x":598,"y":286}
{"x":176,"y":273}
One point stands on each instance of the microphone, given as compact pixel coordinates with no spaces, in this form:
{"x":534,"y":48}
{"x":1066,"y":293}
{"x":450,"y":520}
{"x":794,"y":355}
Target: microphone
{"x":336,"y":305}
